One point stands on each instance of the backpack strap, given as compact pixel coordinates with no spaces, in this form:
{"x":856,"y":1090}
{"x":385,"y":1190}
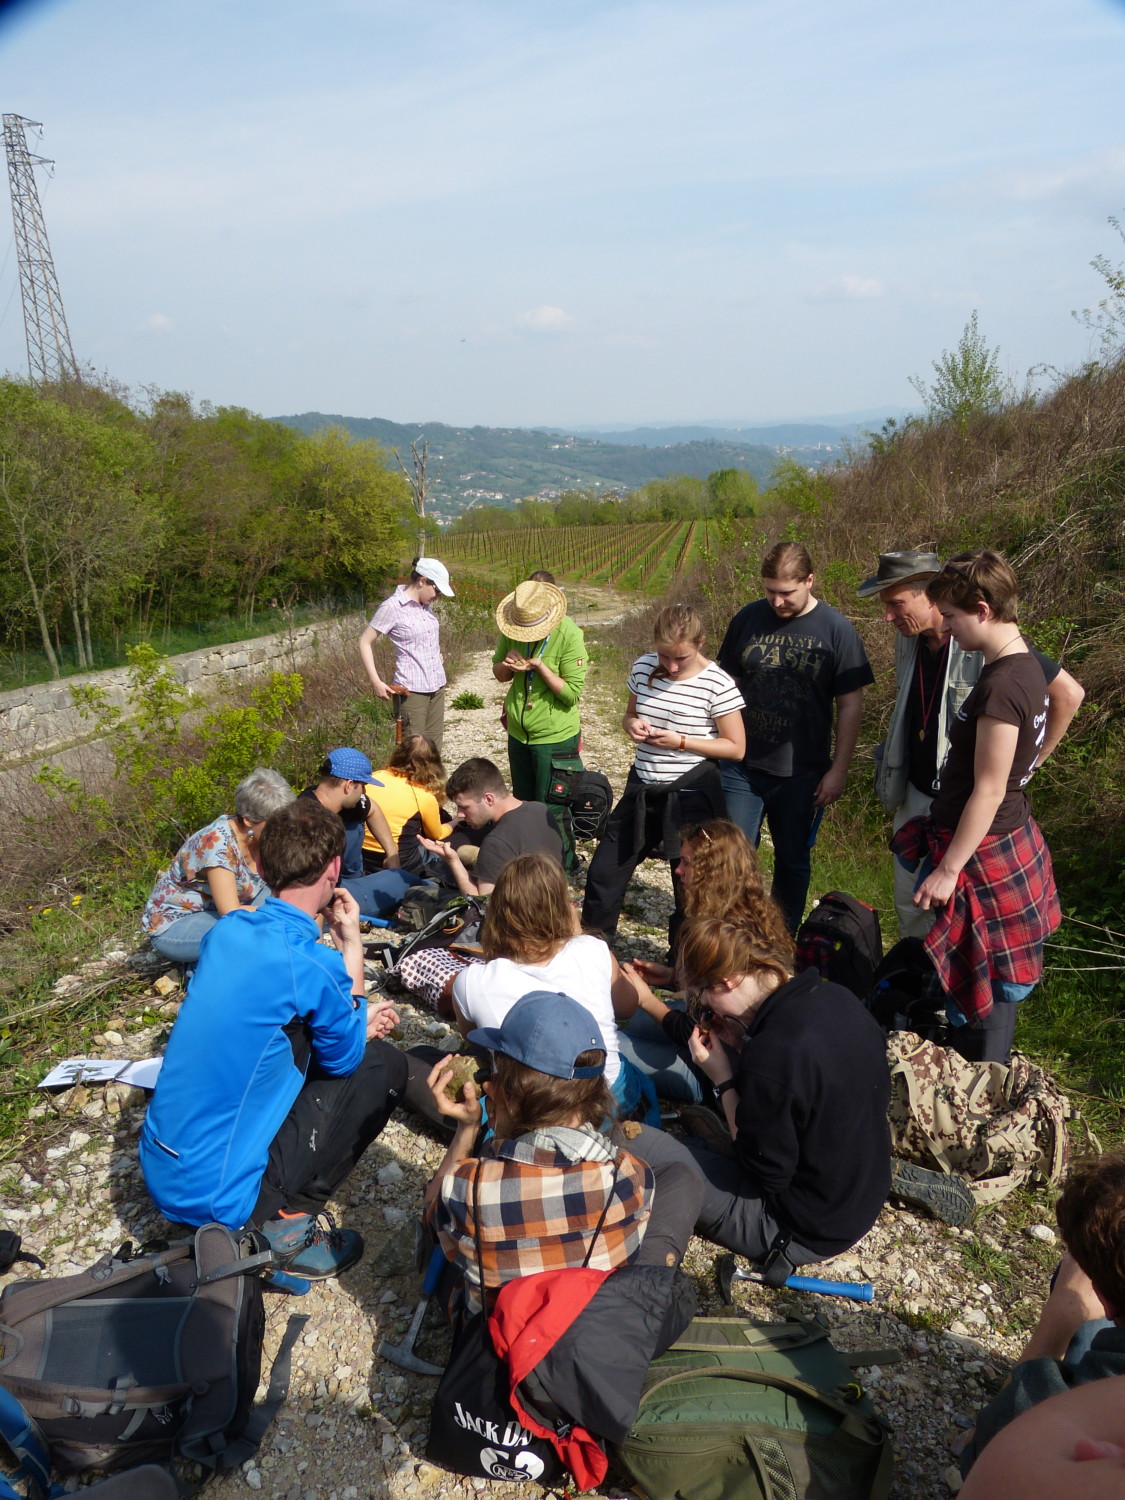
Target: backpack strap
{"x":23,"y":1437}
{"x":219,"y":1459}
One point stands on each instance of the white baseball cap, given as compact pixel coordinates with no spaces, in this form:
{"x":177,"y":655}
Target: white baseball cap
{"x":437,"y":573}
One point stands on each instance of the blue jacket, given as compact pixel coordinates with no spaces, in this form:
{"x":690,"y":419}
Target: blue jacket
{"x":265,"y":998}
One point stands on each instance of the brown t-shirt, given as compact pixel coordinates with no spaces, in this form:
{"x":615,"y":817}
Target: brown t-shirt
{"x":1012,"y":689}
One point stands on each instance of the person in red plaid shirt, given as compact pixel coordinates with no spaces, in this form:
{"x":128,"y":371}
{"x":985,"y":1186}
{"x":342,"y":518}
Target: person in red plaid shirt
{"x":985,"y":867}
{"x":552,"y":1191}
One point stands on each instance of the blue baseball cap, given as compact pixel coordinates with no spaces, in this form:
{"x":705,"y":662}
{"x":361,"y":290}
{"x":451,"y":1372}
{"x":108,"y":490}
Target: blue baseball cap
{"x":546,"y":1030}
{"x":350,"y":765}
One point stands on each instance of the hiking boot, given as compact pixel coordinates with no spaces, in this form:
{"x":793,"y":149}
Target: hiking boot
{"x":705,"y":1124}
{"x":947,"y":1198}
{"x":307,"y":1247}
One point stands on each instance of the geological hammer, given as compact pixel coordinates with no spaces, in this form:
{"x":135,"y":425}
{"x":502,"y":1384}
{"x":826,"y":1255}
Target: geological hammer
{"x":730,"y":1272}
{"x":398,"y":693}
{"x":403,"y":1354}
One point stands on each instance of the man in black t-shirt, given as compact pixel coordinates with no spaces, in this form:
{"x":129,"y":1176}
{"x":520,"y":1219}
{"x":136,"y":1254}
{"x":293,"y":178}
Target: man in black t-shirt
{"x":796,"y":661}
{"x":510,"y":826}
{"x":933,"y":678}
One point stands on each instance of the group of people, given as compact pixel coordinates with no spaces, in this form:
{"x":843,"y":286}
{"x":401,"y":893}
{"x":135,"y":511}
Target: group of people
{"x":782,"y":1078}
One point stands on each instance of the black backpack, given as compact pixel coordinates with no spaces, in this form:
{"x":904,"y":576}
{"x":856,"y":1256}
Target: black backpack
{"x":907,"y":995}
{"x":841,"y":939}
{"x":580,"y":802}
{"x":143,"y":1357}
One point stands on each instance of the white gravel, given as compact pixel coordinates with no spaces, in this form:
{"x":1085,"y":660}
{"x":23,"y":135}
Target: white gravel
{"x":955,"y":1302}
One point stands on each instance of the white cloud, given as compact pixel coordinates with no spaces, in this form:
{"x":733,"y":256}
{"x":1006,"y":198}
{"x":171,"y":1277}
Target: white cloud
{"x":545,"y":319}
{"x":157,"y":323}
{"x":848,"y":288}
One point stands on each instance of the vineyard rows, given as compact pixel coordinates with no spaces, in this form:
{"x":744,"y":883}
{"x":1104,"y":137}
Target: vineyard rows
{"x":644,"y":555}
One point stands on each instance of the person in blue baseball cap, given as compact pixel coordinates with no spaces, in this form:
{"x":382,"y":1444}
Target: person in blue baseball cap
{"x":342,"y":788}
{"x":555,"y":1187}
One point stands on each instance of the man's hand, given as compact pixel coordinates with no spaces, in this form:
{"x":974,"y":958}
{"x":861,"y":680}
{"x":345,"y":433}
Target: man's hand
{"x":381,"y":1018}
{"x":466,"y":1110}
{"x":342,"y":913}
{"x":442,"y":847}
{"x":830,"y":787}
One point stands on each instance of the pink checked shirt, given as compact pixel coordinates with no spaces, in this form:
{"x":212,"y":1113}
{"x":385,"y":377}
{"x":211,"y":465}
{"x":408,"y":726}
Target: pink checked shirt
{"x":412,"y":629}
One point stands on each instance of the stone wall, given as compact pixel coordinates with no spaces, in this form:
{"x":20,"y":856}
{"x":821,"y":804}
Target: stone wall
{"x":41,"y":720}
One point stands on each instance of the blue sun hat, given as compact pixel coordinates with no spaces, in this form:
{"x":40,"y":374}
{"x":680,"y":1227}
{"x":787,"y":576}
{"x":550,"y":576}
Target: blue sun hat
{"x":547,"y":1031}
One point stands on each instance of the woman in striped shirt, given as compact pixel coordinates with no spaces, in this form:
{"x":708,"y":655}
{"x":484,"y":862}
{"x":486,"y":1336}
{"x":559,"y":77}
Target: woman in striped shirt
{"x":684,"y":715}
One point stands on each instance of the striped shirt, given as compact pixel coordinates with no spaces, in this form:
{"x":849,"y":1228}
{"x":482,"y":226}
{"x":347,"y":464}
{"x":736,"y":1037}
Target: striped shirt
{"x":412,"y":629}
{"x":541,"y":1196}
{"x":687,"y":706}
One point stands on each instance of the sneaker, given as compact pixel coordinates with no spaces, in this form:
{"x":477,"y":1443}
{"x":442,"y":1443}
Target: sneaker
{"x":704,"y":1123}
{"x":947,"y":1198}
{"x":305,"y":1247}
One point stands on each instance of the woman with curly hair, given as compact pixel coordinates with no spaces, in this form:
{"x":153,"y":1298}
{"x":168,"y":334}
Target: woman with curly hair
{"x":798,"y":1166}
{"x":720,"y":877}
{"x":410,"y":790}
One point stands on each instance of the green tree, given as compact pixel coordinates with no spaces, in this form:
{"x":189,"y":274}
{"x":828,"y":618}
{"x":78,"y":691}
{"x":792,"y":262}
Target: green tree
{"x":1107,"y":319}
{"x":360,"y":513}
{"x":967,"y":381}
{"x":798,"y":488}
{"x":732,"y":492}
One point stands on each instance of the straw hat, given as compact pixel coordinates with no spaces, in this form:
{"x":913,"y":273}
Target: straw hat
{"x":531,"y":611}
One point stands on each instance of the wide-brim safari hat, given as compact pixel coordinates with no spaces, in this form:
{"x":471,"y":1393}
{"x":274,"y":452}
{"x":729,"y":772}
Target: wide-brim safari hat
{"x":531,"y":611}
{"x":900,"y":567}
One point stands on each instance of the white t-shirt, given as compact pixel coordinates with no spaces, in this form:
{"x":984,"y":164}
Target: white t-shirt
{"x":688,"y":706}
{"x":582,"y":969}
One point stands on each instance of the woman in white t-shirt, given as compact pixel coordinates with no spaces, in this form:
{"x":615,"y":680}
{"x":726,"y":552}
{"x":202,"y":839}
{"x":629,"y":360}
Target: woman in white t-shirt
{"x":684,"y":716}
{"x":531,"y":940}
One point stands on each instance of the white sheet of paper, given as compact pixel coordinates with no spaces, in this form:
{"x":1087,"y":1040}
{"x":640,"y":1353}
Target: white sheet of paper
{"x":142,"y":1074}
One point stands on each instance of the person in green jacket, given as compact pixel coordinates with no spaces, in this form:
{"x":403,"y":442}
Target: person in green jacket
{"x":542,"y":654}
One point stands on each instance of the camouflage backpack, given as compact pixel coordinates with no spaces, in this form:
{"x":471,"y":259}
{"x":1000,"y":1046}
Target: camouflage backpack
{"x":995,"y":1126}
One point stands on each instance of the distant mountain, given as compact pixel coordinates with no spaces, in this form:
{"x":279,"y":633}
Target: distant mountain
{"x":783,"y":434}
{"x":500,"y":465}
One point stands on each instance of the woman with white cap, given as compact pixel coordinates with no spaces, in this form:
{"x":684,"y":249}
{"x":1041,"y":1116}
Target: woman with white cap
{"x":408,"y":621}
{"x":542,"y":654}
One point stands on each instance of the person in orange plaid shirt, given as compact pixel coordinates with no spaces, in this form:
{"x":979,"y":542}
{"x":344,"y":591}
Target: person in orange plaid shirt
{"x":551,"y":1190}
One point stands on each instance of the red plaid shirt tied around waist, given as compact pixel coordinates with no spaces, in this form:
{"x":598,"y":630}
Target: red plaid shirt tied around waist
{"x":1004,"y":908}
{"x":541,"y":1196}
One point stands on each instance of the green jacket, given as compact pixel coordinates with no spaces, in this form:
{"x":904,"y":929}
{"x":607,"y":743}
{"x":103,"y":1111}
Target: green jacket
{"x":538,"y":716}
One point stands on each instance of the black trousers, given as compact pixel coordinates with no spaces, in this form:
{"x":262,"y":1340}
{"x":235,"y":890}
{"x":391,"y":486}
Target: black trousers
{"x":620,"y":852}
{"x":330,"y":1126}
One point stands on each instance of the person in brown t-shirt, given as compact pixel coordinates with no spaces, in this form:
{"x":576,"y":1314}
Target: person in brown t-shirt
{"x":995,"y":744}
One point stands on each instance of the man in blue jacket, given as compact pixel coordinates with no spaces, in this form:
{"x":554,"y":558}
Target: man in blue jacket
{"x":275,"y":1079}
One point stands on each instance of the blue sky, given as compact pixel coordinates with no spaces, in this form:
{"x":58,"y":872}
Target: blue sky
{"x":515,"y":212}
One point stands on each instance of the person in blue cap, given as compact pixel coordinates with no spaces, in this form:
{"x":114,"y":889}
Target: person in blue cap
{"x":553,"y":1189}
{"x":341,"y":787}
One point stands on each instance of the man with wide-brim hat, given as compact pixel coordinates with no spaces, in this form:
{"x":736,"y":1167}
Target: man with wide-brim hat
{"x":541,"y":653}
{"x":933,"y":677}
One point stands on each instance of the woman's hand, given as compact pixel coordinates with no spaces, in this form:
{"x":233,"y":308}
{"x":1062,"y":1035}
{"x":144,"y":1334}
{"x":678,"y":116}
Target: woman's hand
{"x":647,"y":1001}
{"x":517,"y":663}
{"x":664,"y":739}
{"x":936,"y":890}
{"x":709,"y":1054}
{"x":638,"y":729}
{"x":655,"y":974}
{"x":466,"y":1110}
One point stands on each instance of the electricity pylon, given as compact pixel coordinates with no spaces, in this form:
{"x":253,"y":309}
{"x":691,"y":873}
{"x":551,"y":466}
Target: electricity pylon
{"x":50,"y":357}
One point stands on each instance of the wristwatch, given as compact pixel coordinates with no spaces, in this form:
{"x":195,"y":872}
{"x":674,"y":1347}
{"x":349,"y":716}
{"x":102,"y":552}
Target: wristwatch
{"x":721,"y":1088}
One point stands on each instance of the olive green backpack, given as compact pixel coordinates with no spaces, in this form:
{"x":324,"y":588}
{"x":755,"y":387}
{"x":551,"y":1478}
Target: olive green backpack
{"x":740,"y":1410}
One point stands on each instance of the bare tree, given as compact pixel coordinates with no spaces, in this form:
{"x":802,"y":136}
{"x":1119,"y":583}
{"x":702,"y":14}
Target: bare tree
{"x":421,"y":482}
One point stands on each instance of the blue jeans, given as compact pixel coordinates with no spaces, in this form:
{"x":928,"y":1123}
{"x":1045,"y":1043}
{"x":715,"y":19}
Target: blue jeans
{"x":786,"y":804}
{"x":379,"y":894}
{"x":180,"y":942}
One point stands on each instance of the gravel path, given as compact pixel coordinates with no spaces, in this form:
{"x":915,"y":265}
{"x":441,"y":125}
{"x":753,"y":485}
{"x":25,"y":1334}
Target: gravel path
{"x":956,"y":1303}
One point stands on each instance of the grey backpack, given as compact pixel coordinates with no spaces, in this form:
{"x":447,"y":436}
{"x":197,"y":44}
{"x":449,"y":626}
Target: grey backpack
{"x":143,"y":1357}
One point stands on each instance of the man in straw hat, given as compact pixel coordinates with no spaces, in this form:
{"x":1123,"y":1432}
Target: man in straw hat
{"x":542,"y":654}
{"x":933,"y":677}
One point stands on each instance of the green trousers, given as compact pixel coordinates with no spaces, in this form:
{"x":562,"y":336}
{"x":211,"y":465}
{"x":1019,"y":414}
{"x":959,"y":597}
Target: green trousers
{"x":530,"y":766}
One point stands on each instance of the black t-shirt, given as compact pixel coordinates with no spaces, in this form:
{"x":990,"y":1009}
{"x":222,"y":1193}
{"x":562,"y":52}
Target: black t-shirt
{"x":527,"y":829}
{"x":1013,"y":690}
{"x":923,"y":709}
{"x":790,"y":673}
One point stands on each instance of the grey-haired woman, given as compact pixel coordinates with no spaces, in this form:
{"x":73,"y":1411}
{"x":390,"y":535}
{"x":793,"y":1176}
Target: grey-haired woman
{"x":215,"y":871}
